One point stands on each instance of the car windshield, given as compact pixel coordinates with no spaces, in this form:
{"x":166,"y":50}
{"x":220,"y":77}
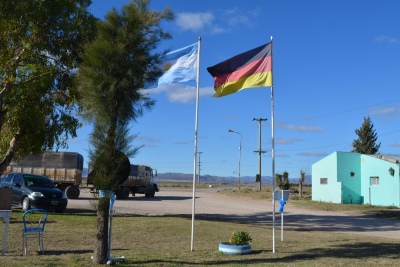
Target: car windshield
{"x":38,"y":181}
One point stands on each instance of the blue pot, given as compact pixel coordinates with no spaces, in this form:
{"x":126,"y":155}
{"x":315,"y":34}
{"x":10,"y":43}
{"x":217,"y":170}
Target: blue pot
{"x":228,"y":248}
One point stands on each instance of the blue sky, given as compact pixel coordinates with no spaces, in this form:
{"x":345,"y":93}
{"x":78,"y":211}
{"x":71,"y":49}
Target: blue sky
{"x":335,"y":62}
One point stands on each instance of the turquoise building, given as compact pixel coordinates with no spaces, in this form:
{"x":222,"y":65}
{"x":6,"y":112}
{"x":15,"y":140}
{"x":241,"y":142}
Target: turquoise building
{"x":354,"y":178}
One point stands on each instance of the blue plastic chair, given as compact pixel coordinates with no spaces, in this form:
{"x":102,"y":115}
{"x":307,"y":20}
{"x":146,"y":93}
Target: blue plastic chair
{"x":34,"y":222}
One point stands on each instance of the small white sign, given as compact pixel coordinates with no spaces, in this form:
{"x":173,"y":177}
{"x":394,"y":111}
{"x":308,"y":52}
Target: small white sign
{"x":281,"y":194}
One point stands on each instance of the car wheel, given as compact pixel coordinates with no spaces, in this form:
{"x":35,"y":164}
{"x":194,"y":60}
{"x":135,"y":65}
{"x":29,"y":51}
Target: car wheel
{"x":156,"y":189}
{"x":26,"y":205}
{"x":72,"y":192}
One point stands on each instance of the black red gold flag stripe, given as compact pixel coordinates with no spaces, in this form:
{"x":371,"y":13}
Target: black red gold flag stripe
{"x":250,"y":69}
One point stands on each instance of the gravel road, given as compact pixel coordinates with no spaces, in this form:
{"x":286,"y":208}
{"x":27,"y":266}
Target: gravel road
{"x":210,"y":204}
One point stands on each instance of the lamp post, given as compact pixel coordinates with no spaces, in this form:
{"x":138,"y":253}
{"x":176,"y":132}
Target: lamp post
{"x":240,"y":153}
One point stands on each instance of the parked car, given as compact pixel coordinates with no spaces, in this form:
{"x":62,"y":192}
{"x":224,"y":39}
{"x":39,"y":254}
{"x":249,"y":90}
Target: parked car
{"x":34,"y":191}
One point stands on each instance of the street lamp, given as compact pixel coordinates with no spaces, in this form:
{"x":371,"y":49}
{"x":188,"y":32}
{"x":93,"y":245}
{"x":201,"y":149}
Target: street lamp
{"x":240,"y":152}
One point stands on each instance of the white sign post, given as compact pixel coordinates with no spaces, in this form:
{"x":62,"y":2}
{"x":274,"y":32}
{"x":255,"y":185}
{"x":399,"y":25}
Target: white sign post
{"x":282,"y":196}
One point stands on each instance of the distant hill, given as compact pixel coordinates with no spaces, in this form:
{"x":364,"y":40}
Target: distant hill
{"x":169,"y":176}
{"x":172,"y":176}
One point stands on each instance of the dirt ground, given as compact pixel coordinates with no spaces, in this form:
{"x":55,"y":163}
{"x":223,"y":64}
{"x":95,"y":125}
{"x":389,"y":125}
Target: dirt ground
{"x":209,"y":204}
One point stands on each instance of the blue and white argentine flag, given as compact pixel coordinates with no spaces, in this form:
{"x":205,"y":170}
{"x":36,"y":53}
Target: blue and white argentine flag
{"x":179,"y":65}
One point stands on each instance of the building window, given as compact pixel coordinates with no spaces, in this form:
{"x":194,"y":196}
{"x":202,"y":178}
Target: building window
{"x":374,"y":180}
{"x":323,"y":180}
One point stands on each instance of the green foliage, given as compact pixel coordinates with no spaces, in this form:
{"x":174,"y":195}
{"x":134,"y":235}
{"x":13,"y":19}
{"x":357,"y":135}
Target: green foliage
{"x":122,"y":141}
{"x":40,"y":42}
{"x":121,"y":61}
{"x":279,"y":179}
{"x":367,"y":139}
{"x":240,"y":238}
{"x":112,"y":168}
{"x":116,"y":66}
{"x":282,"y":181}
{"x":302,"y":176}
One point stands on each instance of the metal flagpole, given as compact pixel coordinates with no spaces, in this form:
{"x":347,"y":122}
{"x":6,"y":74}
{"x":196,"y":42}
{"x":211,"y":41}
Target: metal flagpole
{"x":195,"y":142}
{"x":273,"y":151}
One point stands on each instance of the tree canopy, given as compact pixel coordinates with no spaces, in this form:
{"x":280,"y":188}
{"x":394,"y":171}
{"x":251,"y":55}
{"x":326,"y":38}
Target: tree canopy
{"x":367,"y":138}
{"x":40,"y":44}
{"x":116,"y":66}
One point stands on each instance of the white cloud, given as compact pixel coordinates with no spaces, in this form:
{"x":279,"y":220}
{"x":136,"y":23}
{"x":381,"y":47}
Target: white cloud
{"x":382,"y":110}
{"x":150,"y":146}
{"x":397,"y":144}
{"x":194,"y":21}
{"x":235,"y":17}
{"x":181,"y":93}
{"x":227,"y":20}
{"x":286,"y":141}
{"x":313,"y":154}
{"x":299,"y":128}
{"x":282,"y":156}
{"x":183,"y":142}
{"x":387,"y":39}
{"x":147,"y":139}
{"x":231,"y":117}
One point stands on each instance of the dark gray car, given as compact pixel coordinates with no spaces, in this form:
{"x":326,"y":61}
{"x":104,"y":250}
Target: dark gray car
{"x":34,"y":191}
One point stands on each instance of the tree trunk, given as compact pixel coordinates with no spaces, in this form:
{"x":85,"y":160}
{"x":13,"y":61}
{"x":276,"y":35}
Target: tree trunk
{"x":10,"y":152}
{"x":301,"y":190}
{"x":101,"y":242}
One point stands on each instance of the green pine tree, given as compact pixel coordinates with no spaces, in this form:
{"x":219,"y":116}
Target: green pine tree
{"x":367,"y":139}
{"x":116,"y":65}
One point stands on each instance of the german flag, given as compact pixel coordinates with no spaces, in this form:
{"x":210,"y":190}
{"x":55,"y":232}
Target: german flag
{"x":247,"y":70}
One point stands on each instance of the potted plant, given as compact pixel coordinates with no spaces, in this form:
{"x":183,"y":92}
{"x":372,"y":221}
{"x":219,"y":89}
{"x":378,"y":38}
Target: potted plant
{"x":238,"y":244}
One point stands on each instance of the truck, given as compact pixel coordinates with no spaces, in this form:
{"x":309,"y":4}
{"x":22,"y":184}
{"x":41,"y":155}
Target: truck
{"x":65,"y":171}
{"x":140,"y":181}
{"x":63,"y":168}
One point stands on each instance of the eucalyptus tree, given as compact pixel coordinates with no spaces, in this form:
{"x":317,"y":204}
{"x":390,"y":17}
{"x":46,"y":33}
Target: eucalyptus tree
{"x":40,"y":43}
{"x":367,"y":138}
{"x":116,"y":65}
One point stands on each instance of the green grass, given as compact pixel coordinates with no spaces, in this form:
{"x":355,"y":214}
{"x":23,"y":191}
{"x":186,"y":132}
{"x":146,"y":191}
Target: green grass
{"x":166,"y":241}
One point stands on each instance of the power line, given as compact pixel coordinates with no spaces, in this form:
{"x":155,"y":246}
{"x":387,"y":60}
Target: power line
{"x":341,"y":112}
{"x":339,"y":144}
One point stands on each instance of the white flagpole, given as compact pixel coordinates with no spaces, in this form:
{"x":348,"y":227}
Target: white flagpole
{"x":273,"y":151}
{"x":195,"y":142}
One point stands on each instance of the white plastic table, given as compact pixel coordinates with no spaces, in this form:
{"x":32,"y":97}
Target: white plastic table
{"x":6,"y":215}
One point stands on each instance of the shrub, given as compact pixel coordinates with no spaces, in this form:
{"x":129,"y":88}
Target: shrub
{"x":240,"y":238}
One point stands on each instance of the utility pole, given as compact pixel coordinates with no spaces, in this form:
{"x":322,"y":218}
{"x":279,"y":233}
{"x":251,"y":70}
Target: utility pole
{"x":258,"y":177}
{"x":198,"y":176}
{"x":240,"y":152}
